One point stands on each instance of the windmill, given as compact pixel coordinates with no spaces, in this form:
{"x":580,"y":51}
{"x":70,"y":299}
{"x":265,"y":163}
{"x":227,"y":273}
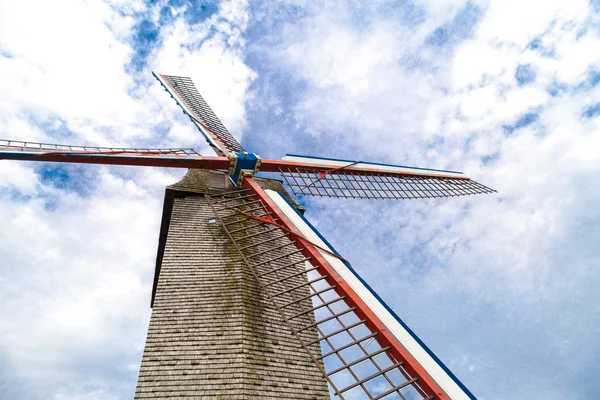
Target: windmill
{"x":333,"y":328}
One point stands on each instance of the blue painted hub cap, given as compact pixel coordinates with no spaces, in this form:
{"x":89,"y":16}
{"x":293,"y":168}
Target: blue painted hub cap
{"x":243,"y":163}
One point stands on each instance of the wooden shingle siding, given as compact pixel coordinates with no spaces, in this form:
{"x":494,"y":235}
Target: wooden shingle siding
{"x":213,"y":334}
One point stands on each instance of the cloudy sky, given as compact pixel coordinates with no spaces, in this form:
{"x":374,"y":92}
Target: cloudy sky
{"x":504,"y":288}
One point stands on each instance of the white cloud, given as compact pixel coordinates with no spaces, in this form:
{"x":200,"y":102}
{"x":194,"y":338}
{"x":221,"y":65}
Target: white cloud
{"x":75,"y":279}
{"x":528,"y":19}
{"x":65,"y":66}
{"x":17,"y":177}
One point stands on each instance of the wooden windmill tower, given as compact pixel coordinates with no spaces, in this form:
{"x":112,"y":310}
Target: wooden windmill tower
{"x":249,"y":300}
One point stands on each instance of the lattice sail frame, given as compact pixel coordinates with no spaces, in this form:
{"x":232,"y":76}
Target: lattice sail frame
{"x":327,"y":177}
{"x":148,"y":157}
{"x":183,"y":90}
{"x":23,"y":146}
{"x":361,"y":357}
{"x":361,"y":185}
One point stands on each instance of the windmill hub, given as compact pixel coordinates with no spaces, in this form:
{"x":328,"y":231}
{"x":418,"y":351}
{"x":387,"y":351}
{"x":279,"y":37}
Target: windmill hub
{"x":242,"y":164}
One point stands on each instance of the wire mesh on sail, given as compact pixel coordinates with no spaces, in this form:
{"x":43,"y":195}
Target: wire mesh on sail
{"x":355,"y":365}
{"x":186,"y":90}
{"x":18,"y":145}
{"x":364,"y":185}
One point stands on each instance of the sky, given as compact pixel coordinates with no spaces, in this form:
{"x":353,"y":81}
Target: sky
{"x":503,"y":288}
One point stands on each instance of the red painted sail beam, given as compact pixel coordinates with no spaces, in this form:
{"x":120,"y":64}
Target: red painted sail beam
{"x":145,"y":160}
{"x":154,"y":160}
{"x":363,"y":311}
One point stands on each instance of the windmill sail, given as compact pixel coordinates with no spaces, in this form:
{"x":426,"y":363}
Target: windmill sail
{"x":35,"y":147}
{"x":328,"y":177}
{"x":182,"y":89}
{"x":169,"y":157}
{"x":366,"y":349}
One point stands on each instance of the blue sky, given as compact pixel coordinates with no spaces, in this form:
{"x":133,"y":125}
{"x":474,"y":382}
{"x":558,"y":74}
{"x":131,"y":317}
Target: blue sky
{"x":503,"y":288}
